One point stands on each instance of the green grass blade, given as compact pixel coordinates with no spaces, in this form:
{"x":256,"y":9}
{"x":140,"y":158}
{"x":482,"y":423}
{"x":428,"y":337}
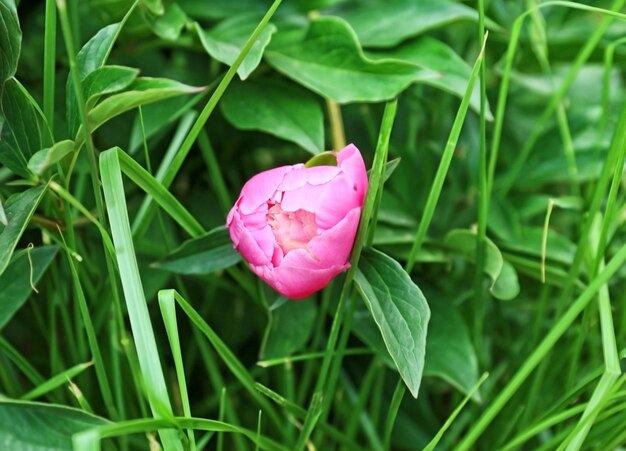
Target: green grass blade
{"x":444,"y":165}
{"x":56,"y":381}
{"x":133,"y":292}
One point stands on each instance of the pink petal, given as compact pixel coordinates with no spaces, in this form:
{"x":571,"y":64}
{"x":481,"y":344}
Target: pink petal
{"x":298,"y":283}
{"x":252,"y":245}
{"x":335,"y":201}
{"x":260,"y":188}
{"x":351,"y":162}
{"x":333,"y":246}
{"x":301,"y":175}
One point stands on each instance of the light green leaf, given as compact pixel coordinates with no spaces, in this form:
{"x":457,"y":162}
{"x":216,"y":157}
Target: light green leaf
{"x":154,"y":6}
{"x":10,"y":40}
{"x":464,"y":241}
{"x":430,"y":53}
{"x":170,"y":24}
{"x":289,"y":328}
{"x":19,"y":208}
{"x":91,"y":56}
{"x":278,"y":108}
{"x":45,"y":158}
{"x":16,"y":279}
{"x":22,"y":134}
{"x":107,"y":80}
{"x":225,"y":41}
{"x":31,"y":426}
{"x":329,"y":61}
{"x":142,"y":91}
{"x":219,"y":9}
{"x":386,"y":23}
{"x":400,"y":311}
{"x":203,"y":255}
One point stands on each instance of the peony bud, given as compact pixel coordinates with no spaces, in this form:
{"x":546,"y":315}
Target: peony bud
{"x":295,"y":225}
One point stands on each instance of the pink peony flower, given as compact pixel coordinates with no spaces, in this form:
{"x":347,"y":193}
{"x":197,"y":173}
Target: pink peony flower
{"x":296,"y":225}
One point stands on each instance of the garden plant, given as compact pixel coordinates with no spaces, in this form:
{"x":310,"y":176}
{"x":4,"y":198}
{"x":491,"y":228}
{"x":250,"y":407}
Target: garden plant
{"x":312,"y":224}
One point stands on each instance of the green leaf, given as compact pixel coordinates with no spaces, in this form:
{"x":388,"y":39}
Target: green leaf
{"x":19,"y":208}
{"x":430,"y":53}
{"x":10,"y":40}
{"x":31,"y":426}
{"x":45,"y":158}
{"x":170,"y":24}
{"x":16,"y":279}
{"x":329,"y":61}
{"x":400,"y":311}
{"x":386,"y":23}
{"x":154,"y":6}
{"x":107,"y":80}
{"x":449,"y":351}
{"x":141,"y":92}
{"x":276,"y":107}
{"x":289,"y":327}
{"x":220,"y":9}
{"x":21,"y":130}
{"x":91,"y":56}
{"x":203,"y":255}
{"x":464,"y":242}
{"x":225,"y":41}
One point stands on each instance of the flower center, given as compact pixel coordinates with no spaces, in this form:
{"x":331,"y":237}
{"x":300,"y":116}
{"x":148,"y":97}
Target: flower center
{"x":291,"y":229}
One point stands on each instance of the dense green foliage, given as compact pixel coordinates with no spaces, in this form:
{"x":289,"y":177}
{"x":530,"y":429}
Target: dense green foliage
{"x":491,"y":240}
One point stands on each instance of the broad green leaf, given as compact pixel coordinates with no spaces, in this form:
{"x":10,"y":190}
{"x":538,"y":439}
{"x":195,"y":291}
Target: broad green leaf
{"x":45,"y":158}
{"x":209,"y":253}
{"x":449,"y":351}
{"x":107,"y":80}
{"x":170,"y":24}
{"x":559,"y":247}
{"x":220,"y":9}
{"x":91,"y":56}
{"x":430,"y":53}
{"x":19,"y":208}
{"x":154,"y":6}
{"x":17,"y":278}
{"x":464,"y":242}
{"x":225,"y":41}
{"x":142,"y":91}
{"x":22,"y":129}
{"x":32,"y":426}
{"x":386,"y":23}
{"x":329,"y":61}
{"x":3,"y":216}
{"x":276,"y":107}
{"x":10,"y":40}
{"x":288,"y":330}
{"x":457,"y":364}
{"x":400,"y":311}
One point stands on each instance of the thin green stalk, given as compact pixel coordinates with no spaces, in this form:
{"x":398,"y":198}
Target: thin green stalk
{"x":591,"y":43}
{"x":479,"y":299}
{"x":375,"y":183}
{"x":444,"y":165}
{"x":198,"y":126}
{"x":49,"y":63}
{"x":215,"y":173}
{"x":394,"y":407}
{"x":336,"y":125}
{"x":542,"y":350}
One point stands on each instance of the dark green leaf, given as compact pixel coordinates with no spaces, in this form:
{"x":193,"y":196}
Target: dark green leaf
{"x":225,"y":41}
{"x":19,"y":208}
{"x":10,"y":40}
{"x":329,"y":61}
{"x":464,"y":241}
{"x":211,"y":252}
{"x":22,"y":130}
{"x":45,"y":158}
{"x":31,"y":426}
{"x":16,"y":279}
{"x":278,"y":108}
{"x":386,"y":23}
{"x":430,"y":53}
{"x":219,"y":9}
{"x":400,"y":311}
{"x":288,"y":330}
